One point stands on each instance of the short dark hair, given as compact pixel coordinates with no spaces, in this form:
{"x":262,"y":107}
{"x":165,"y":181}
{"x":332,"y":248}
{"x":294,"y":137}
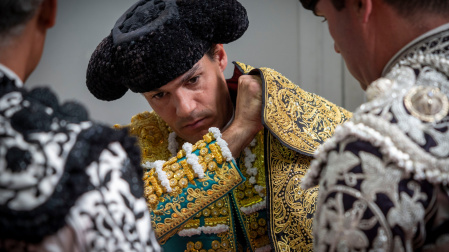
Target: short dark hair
{"x":212,"y":51}
{"x":14,"y":13}
{"x":407,"y":8}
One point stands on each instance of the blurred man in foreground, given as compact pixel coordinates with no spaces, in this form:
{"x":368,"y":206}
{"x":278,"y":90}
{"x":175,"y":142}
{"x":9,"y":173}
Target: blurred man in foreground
{"x":383,"y":176}
{"x":66,"y":184}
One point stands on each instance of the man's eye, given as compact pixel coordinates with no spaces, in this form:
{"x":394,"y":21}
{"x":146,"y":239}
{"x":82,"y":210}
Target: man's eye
{"x":158,"y":95}
{"x":193,"y":80}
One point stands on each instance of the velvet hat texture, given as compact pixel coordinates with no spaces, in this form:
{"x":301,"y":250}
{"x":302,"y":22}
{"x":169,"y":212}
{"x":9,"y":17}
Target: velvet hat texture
{"x":155,"y":41}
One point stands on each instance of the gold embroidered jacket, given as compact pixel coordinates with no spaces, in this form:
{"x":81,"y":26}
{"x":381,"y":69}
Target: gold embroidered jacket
{"x":235,"y":204}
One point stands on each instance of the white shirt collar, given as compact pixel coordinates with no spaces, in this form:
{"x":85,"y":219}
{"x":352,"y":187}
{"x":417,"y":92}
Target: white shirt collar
{"x":10,"y":74}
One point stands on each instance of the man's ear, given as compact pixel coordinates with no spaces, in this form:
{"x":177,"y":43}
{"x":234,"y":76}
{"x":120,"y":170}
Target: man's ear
{"x":47,"y":13}
{"x":221,"y":57}
{"x":365,"y":7}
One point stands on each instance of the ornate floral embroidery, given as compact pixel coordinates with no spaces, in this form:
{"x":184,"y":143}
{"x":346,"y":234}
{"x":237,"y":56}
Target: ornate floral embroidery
{"x":384,"y":175}
{"x":292,"y":209}
{"x":301,"y":120}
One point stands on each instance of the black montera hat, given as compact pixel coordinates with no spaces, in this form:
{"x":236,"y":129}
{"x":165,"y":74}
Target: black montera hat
{"x":309,"y":4}
{"x":155,"y":41}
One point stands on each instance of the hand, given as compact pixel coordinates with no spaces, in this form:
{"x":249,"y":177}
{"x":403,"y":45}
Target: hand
{"x":248,"y":114}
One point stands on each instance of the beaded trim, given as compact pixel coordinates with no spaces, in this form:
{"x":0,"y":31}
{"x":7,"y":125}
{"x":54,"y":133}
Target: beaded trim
{"x":254,"y":208}
{"x":192,"y":160}
{"x":222,"y":143}
{"x":220,"y":228}
{"x":161,"y":175}
{"x":419,"y":162}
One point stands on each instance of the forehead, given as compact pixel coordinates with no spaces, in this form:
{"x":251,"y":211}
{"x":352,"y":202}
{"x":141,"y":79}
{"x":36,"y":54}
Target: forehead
{"x":198,"y":67}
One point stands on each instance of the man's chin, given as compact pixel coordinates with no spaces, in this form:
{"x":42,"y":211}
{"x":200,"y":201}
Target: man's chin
{"x":194,"y":137}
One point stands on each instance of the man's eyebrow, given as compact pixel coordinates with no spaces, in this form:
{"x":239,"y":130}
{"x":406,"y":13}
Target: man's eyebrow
{"x":156,"y":90}
{"x":190,"y":73}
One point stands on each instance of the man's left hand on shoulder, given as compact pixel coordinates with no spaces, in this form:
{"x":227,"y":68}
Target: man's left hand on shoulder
{"x":248,"y":114}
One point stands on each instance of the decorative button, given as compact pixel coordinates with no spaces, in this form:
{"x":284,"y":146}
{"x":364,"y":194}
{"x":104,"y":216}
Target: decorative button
{"x":428,"y":104}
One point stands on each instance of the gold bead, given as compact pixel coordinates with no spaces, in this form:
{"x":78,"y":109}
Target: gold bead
{"x":173,"y":182}
{"x":179,"y":174}
{"x":261,"y":231}
{"x":216,"y":244}
{"x":152,"y":199}
{"x":215,"y":212}
{"x":170,"y":174}
{"x":254,"y":225}
{"x":253,"y":234}
{"x":190,"y":246}
{"x":219,"y":203}
{"x":206,"y":212}
{"x":208,"y":158}
{"x":224,"y":211}
{"x":204,"y":151}
{"x":198,"y":245}
{"x":212,"y":166}
{"x":148,"y":190}
{"x":262,"y":222}
{"x":225,"y":244}
{"x":174,"y":167}
{"x":183,"y":183}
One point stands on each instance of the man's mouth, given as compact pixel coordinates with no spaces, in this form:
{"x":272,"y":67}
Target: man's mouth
{"x":195,"y":124}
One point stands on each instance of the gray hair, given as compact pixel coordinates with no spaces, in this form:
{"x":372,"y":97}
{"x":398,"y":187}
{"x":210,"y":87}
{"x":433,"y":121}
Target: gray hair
{"x":13,"y":16}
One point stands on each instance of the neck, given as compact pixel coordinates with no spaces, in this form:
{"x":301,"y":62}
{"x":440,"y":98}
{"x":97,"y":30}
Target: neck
{"x":22,"y":52}
{"x":400,"y":31}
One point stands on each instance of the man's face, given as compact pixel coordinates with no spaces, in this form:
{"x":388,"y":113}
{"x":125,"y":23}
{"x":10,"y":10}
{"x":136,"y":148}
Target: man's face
{"x":195,"y":101}
{"x":345,"y":29}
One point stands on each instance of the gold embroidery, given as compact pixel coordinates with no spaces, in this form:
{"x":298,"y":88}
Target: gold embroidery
{"x":301,"y":120}
{"x":291,"y":208}
{"x":215,"y":221}
{"x":194,"y":223}
{"x":246,"y":196}
{"x":284,"y":104}
{"x":152,"y":133}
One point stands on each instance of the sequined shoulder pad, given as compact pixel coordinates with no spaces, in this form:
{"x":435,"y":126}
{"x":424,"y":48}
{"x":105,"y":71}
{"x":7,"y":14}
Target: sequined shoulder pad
{"x":178,"y":189}
{"x":152,"y":134}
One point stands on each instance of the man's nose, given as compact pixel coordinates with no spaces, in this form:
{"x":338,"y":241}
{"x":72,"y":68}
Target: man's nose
{"x":185,"y":104}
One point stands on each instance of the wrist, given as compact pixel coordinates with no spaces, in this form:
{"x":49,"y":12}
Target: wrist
{"x":239,"y":136}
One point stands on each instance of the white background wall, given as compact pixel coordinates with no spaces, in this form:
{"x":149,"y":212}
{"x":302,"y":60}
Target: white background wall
{"x":281,"y":35}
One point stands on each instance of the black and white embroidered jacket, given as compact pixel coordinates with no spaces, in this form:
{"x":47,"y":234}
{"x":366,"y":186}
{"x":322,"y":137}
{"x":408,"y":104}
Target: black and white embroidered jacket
{"x":66,"y":184}
{"x":384,"y":175}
